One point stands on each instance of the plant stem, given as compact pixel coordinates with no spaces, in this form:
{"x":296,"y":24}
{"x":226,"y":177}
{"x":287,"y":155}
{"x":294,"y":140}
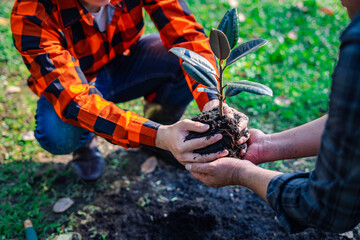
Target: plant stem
{"x":221,"y":98}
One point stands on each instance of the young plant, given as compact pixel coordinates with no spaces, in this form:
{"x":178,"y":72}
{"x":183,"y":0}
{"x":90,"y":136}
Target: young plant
{"x":222,"y":40}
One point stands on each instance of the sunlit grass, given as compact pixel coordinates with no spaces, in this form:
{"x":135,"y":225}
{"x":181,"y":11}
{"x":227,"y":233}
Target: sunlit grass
{"x":296,"y":63}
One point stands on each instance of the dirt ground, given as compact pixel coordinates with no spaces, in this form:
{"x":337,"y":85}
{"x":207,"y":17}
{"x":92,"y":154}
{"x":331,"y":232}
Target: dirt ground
{"x":169,"y":203}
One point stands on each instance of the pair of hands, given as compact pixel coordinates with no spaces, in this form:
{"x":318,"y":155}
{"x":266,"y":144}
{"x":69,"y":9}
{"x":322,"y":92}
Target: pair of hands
{"x":231,"y":171}
{"x":172,"y":137}
{"x":215,"y":170}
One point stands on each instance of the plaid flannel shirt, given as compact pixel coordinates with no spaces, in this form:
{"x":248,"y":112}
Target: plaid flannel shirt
{"x":63,"y":51}
{"x":328,"y":198}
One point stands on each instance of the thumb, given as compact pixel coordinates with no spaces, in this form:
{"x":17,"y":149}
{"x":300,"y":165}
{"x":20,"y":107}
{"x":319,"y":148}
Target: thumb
{"x":194,"y":126}
{"x":198,"y":168}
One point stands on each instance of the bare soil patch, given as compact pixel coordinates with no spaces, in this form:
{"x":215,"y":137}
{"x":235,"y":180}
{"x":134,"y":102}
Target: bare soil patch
{"x":169,"y":203}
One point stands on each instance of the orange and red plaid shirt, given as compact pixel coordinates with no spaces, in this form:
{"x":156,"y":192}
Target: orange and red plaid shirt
{"x":63,"y":52}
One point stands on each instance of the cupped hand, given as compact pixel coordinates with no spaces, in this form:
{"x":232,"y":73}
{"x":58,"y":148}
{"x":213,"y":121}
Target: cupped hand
{"x":219,"y":173}
{"x":172,"y":138}
{"x":256,"y":145}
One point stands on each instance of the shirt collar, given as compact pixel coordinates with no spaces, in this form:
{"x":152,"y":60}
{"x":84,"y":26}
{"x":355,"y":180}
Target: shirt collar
{"x":71,"y":11}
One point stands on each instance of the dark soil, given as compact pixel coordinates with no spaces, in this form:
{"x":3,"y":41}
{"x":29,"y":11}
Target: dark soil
{"x":170,"y":204}
{"x":224,"y":125}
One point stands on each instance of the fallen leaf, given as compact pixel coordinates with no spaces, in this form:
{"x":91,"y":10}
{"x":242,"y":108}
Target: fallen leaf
{"x":62,"y":205}
{"x":149,"y":165}
{"x":12,"y":89}
{"x":4,"y":21}
{"x":242,"y":17}
{"x":28,"y":136}
{"x":293,"y":35}
{"x":282,"y":101}
{"x":327,"y":11}
{"x":349,"y":234}
{"x":233,"y":3}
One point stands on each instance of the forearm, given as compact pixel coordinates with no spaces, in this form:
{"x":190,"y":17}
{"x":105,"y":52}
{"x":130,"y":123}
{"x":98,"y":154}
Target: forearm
{"x":255,"y":178}
{"x":302,"y":141}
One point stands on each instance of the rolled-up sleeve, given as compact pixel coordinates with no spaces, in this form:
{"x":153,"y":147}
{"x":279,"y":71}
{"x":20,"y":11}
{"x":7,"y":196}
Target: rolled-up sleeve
{"x":329,"y":197}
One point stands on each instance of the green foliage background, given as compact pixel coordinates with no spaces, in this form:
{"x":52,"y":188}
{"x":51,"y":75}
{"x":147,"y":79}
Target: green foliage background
{"x":297,"y":69}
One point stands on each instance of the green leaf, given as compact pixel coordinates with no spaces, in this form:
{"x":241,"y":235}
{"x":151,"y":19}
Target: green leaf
{"x":199,"y":76}
{"x":219,"y":44}
{"x":194,"y":59}
{"x":208,"y":90}
{"x":230,"y":26}
{"x":235,"y":88}
{"x":244,"y":49}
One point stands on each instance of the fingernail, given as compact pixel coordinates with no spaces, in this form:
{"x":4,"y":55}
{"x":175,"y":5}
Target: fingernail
{"x":218,"y":136}
{"x":205,"y":126}
{"x":188,"y":167}
{"x":243,"y":152}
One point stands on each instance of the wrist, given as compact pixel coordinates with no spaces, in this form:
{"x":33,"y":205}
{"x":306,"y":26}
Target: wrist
{"x":267,"y":150}
{"x":275,"y":147}
{"x":255,"y":178}
{"x":160,"y":138}
{"x":243,"y":172}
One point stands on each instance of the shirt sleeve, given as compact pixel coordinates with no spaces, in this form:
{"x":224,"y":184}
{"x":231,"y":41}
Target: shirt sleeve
{"x":178,"y":28}
{"x":57,"y":75}
{"x":329,"y":197}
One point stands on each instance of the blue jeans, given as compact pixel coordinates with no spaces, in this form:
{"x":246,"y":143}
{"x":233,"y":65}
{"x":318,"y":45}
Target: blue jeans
{"x":149,"y":68}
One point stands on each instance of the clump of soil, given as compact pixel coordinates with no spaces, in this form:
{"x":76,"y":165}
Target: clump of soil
{"x":228,"y":127}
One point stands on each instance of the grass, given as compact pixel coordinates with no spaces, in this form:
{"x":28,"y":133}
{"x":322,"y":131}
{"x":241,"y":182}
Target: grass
{"x":296,"y":63}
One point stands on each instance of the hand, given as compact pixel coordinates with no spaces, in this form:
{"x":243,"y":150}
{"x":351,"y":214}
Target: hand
{"x":172,"y":138}
{"x":256,"y":147}
{"x":219,"y":173}
{"x":232,"y":171}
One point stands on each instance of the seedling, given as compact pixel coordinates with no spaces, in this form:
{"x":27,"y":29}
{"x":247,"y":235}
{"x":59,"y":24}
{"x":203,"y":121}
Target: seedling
{"x":222,"y":40}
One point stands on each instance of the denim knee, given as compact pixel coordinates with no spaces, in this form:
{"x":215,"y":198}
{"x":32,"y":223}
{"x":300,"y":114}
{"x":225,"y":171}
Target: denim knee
{"x":57,"y":144}
{"x":54,"y":135}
